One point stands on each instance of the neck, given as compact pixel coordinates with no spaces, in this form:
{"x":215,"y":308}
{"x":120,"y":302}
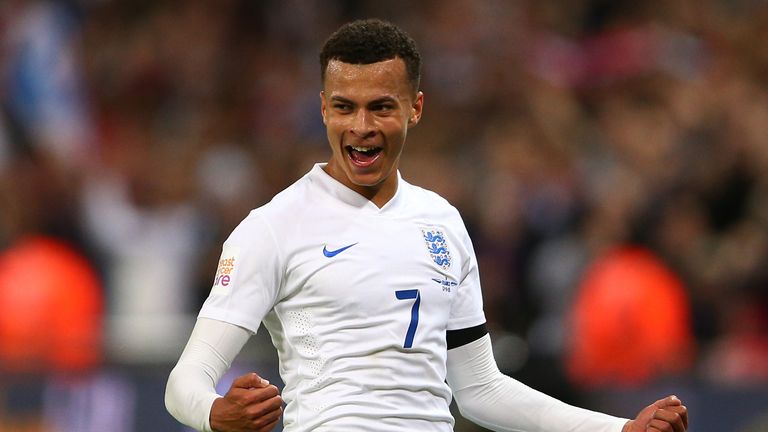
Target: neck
{"x":379,"y":194}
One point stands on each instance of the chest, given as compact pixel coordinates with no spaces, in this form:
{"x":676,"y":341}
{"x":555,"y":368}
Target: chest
{"x":363,"y":273}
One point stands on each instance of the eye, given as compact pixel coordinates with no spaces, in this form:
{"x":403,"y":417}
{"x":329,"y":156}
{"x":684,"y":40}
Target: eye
{"x":341,"y":106}
{"x":382,"y":107}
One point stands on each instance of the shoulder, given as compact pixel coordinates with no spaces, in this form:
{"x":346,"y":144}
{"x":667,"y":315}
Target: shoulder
{"x":281,"y":211}
{"x":288,"y":203}
{"x":432,"y":204}
{"x":297,"y":194}
{"x":431,"y":209}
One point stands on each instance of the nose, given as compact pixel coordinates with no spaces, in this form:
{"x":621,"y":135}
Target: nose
{"x":362,"y":124}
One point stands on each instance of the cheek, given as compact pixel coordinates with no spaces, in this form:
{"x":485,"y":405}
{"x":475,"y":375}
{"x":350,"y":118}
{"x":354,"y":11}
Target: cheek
{"x":395,"y":129}
{"x":335,"y":136}
{"x":334,"y":128}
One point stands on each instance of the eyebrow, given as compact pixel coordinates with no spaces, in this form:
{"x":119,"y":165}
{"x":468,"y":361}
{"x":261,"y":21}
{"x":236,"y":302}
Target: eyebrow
{"x":373,"y":102}
{"x":341,"y":99}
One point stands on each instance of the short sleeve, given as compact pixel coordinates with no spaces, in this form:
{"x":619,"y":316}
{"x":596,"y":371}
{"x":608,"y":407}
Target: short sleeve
{"x":467,"y":308}
{"x":248,"y":275}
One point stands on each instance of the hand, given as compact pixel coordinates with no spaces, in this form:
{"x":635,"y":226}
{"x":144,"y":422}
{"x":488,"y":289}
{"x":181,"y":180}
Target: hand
{"x":664,"y":415}
{"x":250,"y":405}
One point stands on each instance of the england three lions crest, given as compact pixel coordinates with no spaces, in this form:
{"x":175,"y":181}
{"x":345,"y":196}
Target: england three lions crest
{"x":437,"y":247}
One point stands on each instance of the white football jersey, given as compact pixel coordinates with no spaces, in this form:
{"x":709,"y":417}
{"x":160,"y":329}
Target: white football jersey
{"x":357,"y":300}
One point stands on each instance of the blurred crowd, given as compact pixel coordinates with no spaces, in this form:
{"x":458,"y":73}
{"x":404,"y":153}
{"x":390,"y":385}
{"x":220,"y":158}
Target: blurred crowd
{"x":610,"y":159}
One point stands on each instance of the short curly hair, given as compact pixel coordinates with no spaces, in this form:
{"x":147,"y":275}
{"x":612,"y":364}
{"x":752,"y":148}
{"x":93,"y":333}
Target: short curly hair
{"x":371,"y":41}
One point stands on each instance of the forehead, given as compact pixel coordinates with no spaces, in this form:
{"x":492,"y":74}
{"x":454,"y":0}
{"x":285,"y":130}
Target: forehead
{"x":367,"y":80}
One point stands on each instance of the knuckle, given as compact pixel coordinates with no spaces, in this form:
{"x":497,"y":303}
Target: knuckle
{"x":236,"y":396}
{"x":261,"y":409}
{"x":267,"y":419}
{"x":254,"y":412}
{"x":250,"y":398}
{"x":264,"y":421}
{"x":272,"y":405}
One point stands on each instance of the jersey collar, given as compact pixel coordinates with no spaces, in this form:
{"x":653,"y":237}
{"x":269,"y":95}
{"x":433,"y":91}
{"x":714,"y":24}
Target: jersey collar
{"x":347,"y":196}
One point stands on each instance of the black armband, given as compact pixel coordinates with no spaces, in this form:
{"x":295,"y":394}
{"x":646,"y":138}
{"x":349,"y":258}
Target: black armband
{"x":457,"y":338}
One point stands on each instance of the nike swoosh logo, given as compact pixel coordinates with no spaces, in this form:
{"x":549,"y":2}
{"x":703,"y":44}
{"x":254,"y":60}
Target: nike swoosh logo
{"x":333,"y":253}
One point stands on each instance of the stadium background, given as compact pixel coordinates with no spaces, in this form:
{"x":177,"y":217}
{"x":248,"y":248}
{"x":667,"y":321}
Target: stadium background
{"x":610,"y":159}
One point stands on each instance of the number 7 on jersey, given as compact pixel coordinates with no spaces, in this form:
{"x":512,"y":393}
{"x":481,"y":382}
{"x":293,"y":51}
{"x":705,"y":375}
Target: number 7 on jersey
{"x":409,"y":295}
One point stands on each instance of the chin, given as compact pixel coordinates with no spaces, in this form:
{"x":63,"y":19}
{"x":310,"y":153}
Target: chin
{"x":370,"y":176}
{"x":370,"y":180}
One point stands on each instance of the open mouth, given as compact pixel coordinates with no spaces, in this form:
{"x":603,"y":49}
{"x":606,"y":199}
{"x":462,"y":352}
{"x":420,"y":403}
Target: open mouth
{"x":363,"y":156}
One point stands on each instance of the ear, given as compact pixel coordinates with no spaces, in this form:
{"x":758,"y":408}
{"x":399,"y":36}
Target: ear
{"x":323,"y":107}
{"x":416,"y":109}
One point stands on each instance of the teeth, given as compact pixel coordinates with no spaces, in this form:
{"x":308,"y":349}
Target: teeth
{"x":363,"y":149}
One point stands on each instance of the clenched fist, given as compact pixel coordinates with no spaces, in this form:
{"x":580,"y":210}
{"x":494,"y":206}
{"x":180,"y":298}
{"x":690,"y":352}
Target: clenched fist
{"x":664,"y":415}
{"x":250,"y":405}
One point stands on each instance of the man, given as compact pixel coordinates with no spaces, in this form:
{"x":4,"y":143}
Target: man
{"x":368,"y":286}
